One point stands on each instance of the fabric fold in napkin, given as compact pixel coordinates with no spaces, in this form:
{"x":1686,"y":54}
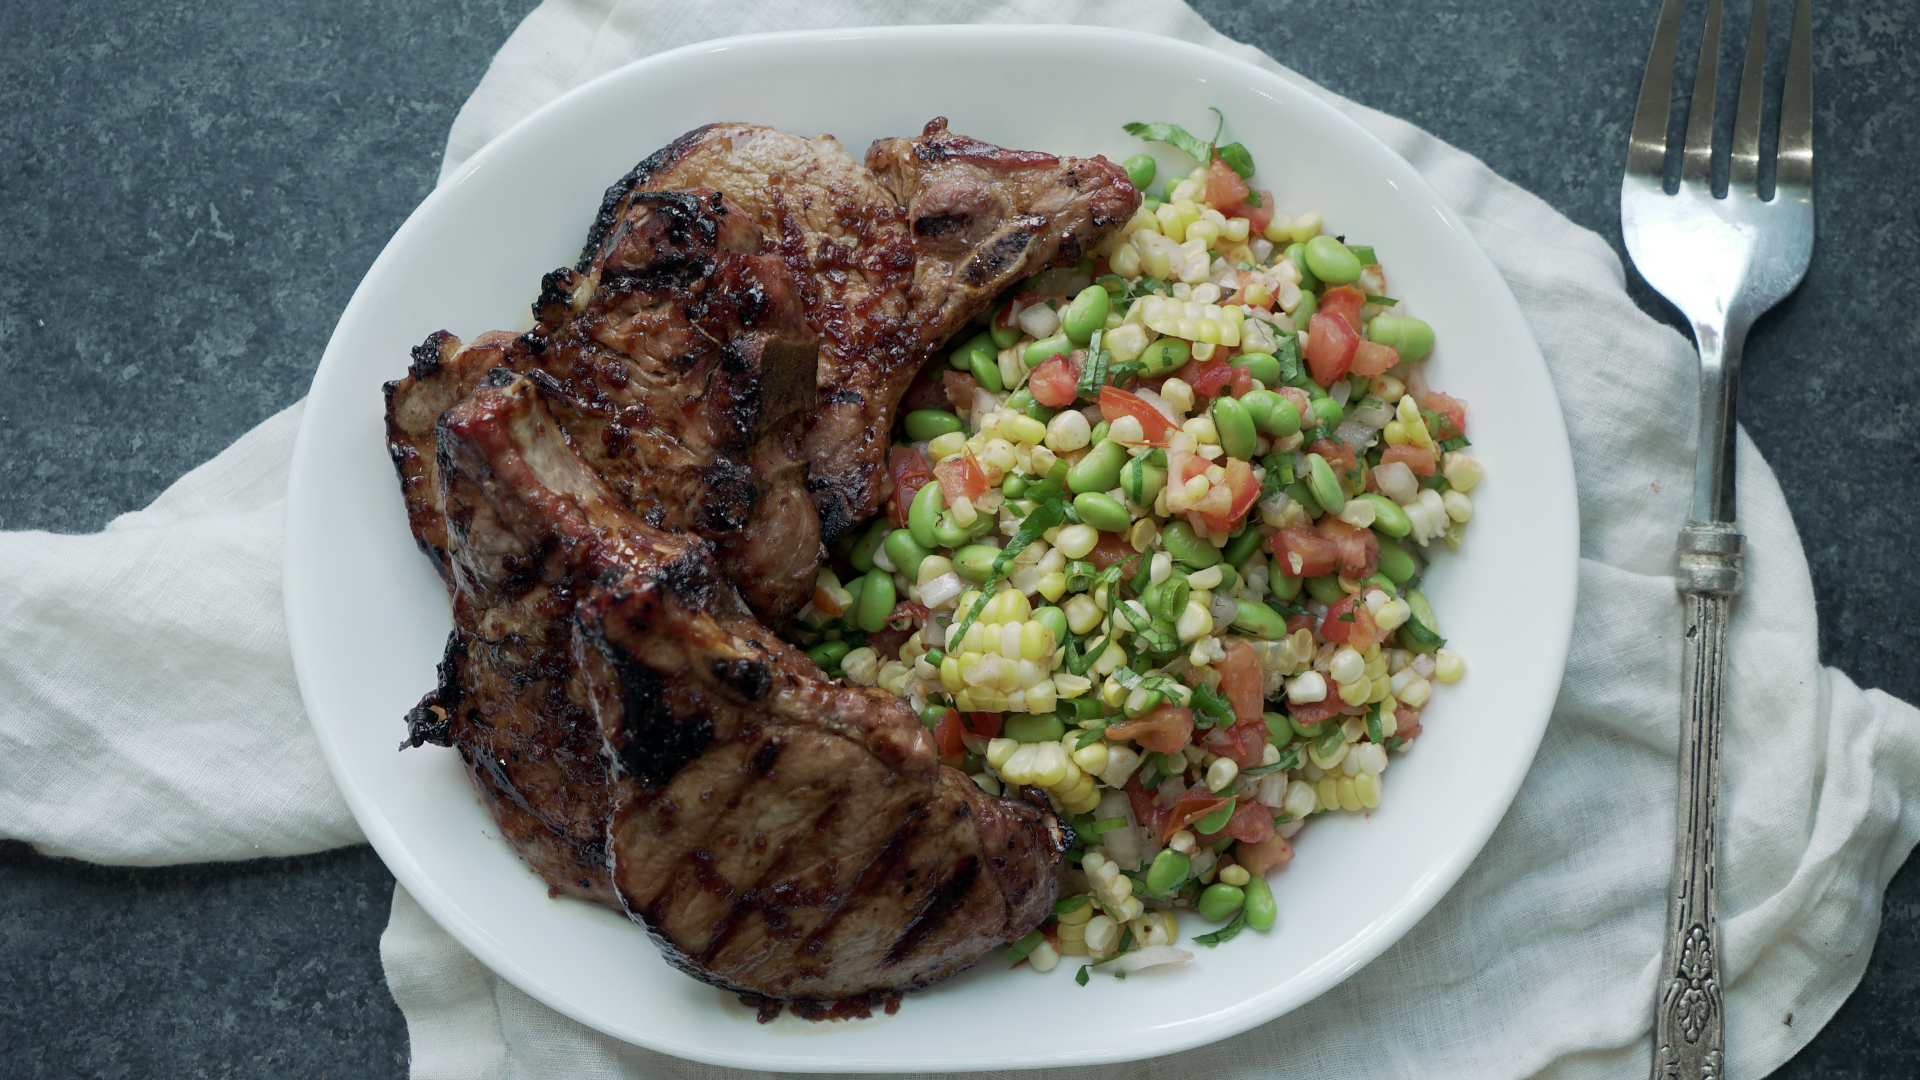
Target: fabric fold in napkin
{"x":138,"y":664}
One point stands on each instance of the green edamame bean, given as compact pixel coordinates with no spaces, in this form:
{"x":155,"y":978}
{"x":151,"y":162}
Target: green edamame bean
{"x":876,"y":602}
{"x":1234,"y":427}
{"x":933,"y":714}
{"x":1261,"y":909}
{"x":1395,"y":561}
{"x":1411,"y":338}
{"x":1261,"y":366}
{"x":975,"y":561}
{"x":1384,"y":583}
{"x":1229,"y":577}
{"x":982,"y":525}
{"x":862,"y":554}
{"x":1297,"y":491}
{"x":1329,"y":412}
{"x":1325,"y":485}
{"x":829,"y":653}
{"x":1031,"y":727}
{"x":923,"y":513}
{"x":906,"y":552}
{"x":980,"y":344}
{"x":1259,"y":620}
{"x":1101,"y":512}
{"x":1187,"y":547}
{"x":1271,"y":413}
{"x":986,"y":372}
{"x":854,"y":588}
{"x":1053,"y":619}
{"x":1388,"y":518}
{"x":1087,"y":313}
{"x":1244,"y":543}
{"x":1282,"y":585}
{"x":1142,"y":481}
{"x":1331,"y":262}
{"x":1308,"y":305}
{"x":1003,"y":331}
{"x":1164,"y":355}
{"x":950,"y":533}
{"x":1037,"y":353}
{"x":1099,"y":434}
{"x":1306,"y":731}
{"x":1326,"y":589}
{"x":1099,"y":470}
{"x":925,"y":424}
{"x":1215,"y":820}
{"x":1169,"y":869}
{"x":1309,"y":283}
{"x":1140,"y":169}
{"x":1013,"y":486}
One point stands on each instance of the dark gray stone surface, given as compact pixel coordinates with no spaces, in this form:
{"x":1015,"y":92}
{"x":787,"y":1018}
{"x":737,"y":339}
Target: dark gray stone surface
{"x":193,"y":190}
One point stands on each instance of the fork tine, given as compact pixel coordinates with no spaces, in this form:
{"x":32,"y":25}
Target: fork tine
{"x":1744,"y":169}
{"x":1696,"y":162}
{"x":1796,"y":105}
{"x":1647,"y":147}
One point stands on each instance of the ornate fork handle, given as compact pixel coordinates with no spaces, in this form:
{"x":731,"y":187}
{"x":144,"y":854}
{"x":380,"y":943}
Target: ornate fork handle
{"x":1689,"y":1023}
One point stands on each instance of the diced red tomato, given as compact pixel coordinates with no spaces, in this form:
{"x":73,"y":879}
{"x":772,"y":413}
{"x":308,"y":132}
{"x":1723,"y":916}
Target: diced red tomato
{"x":1115,"y":403}
{"x":1258,"y":217}
{"x":887,"y":641}
{"x":1240,"y":681}
{"x":1194,"y":805}
{"x":1407,"y":724}
{"x":1359,"y":632}
{"x":908,"y":468}
{"x":1262,"y":858}
{"x":1242,"y":382}
{"x":1251,"y":823}
{"x":984,"y":724}
{"x":1166,"y":729}
{"x":1346,"y":302}
{"x":1455,"y":413}
{"x":1244,"y":743}
{"x":907,"y":615}
{"x":1054,"y":380}
{"x":1244,"y":491}
{"x":947,"y":734}
{"x":1207,"y":377}
{"x":1315,"y":711}
{"x":1302,"y":404}
{"x":1297,"y":623}
{"x":1146,"y":809}
{"x":960,"y":388}
{"x":1417,"y":458}
{"x":961,"y":475}
{"x":1338,"y":454}
{"x":1302,"y":551}
{"x":1224,"y":186}
{"x":1111,"y":548}
{"x":1330,"y":347}
{"x":1359,"y":548}
{"x":1373,"y":358}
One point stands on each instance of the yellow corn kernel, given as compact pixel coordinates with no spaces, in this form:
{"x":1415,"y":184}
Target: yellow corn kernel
{"x":1395,"y":433}
{"x":945,"y":446}
{"x":1258,"y":294}
{"x":1327,"y":793}
{"x":1126,"y":261}
{"x":1461,"y":471}
{"x":1355,"y":693}
{"x":1366,"y":788}
{"x":1041,"y":697}
{"x":1082,"y":613}
{"x":1305,"y":227}
{"x":1111,"y":659}
{"x":1349,"y":799}
{"x":950,"y":679}
{"x":964,"y":515}
{"x":1204,"y":231}
{"x":1077,"y":917}
{"x":1036,"y":641}
{"x":1448,"y":666}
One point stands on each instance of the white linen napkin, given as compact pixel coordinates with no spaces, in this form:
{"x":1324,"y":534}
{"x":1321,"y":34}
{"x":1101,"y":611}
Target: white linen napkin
{"x":148,"y":712}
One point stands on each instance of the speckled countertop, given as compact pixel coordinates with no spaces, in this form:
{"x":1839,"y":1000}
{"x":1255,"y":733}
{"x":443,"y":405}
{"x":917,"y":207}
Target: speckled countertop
{"x":192,"y":190}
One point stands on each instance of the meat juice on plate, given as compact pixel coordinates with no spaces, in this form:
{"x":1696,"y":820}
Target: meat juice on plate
{"x":1154,"y":546}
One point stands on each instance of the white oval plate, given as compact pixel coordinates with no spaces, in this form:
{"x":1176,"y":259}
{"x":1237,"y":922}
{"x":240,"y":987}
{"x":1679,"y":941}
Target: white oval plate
{"x":367,"y":615}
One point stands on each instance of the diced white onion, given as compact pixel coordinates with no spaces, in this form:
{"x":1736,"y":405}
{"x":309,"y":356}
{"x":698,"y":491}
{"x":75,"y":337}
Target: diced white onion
{"x":1151,"y":956}
{"x":941,"y":589}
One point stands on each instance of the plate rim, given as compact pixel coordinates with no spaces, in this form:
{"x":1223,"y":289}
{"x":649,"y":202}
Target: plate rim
{"x":1332,"y":969}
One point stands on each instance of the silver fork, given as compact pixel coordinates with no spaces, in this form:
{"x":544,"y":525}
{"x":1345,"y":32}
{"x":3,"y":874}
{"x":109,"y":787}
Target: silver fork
{"x":1723,"y":262}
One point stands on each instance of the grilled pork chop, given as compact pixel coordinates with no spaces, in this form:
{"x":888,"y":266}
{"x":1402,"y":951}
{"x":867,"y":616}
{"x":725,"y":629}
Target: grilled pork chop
{"x":890,"y":259}
{"x":686,"y":375}
{"x":778,"y":833}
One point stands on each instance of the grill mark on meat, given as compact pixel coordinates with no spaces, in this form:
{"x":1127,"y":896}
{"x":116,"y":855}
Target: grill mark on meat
{"x":940,"y":905}
{"x":658,"y":745}
{"x":993,"y":260}
{"x":750,"y":678}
